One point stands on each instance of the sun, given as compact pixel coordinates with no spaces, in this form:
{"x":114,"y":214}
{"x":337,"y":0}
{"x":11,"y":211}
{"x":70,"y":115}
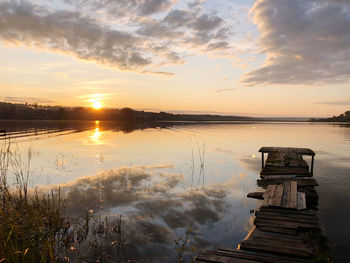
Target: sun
{"x":97,"y":105}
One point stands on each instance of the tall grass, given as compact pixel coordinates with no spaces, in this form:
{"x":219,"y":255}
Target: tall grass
{"x":30,"y":222}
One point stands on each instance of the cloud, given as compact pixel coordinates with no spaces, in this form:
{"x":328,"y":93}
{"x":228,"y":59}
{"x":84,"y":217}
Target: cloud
{"x":97,"y":96}
{"x":224,"y":90}
{"x":191,"y":28}
{"x":244,"y":66}
{"x":195,"y":3}
{"x":61,"y":75}
{"x":72,"y":33}
{"x":132,"y":35}
{"x":218,"y":45}
{"x":306,"y":42}
{"x":334,"y":103}
{"x":163,"y":73}
{"x":122,"y":7}
{"x":27,"y":100}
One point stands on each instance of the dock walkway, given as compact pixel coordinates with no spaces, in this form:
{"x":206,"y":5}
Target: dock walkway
{"x":286,"y":227}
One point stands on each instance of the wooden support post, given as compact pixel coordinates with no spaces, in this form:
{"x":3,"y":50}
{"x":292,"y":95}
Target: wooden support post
{"x":262,"y":160}
{"x":312,"y":164}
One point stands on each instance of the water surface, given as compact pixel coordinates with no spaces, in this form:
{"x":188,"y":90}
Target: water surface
{"x":166,"y":180}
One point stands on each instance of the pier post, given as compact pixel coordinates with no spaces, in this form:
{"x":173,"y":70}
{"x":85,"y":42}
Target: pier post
{"x":262,"y":160}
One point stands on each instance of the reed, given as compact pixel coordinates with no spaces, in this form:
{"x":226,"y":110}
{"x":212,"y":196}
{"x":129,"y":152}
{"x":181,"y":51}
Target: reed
{"x":30,"y":222}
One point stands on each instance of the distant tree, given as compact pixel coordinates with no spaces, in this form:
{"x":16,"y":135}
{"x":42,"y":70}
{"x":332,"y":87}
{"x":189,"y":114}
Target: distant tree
{"x":127,"y":114}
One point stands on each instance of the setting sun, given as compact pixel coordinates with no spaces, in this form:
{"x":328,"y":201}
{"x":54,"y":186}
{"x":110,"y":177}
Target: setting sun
{"x":97,"y":105}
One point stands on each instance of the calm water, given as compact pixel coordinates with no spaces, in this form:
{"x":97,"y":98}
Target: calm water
{"x":165,"y":180}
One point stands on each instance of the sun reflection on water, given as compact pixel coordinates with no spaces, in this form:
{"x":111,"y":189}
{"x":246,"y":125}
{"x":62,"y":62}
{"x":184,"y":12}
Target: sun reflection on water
{"x":95,"y":137}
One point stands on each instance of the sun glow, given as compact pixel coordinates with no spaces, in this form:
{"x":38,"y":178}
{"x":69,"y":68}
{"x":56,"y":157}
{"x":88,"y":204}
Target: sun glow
{"x":96,"y":105}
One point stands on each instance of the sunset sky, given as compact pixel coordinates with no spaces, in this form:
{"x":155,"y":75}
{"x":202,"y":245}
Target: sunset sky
{"x":243,"y":57}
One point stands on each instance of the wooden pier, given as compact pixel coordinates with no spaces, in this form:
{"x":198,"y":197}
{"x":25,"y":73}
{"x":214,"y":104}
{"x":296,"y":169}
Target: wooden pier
{"x":286,"y":226}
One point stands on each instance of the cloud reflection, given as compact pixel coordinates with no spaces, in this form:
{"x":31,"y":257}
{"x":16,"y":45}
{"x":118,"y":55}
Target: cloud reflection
{"x":154,"y":205}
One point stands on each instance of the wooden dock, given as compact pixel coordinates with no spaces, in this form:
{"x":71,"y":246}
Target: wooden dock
{"x":286,"y":227}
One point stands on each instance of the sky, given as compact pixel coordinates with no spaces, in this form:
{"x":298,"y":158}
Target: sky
{"x":277,"y":58}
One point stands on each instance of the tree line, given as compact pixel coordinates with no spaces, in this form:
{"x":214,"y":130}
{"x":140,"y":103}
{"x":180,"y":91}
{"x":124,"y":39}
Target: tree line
{"x":41,"y":112}
{"x":344,"y":117}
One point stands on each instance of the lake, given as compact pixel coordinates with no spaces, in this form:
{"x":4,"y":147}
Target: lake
{"x":165,"y":180}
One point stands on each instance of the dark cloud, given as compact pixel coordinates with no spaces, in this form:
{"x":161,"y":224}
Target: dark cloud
{"x":207,"y":22}
{"x":178,"y":18}
{"x":195,"y":3}
{"x":190,"y":27}
{"x":122,"y":7}
{"x":72,"y":33}
{"x":218,"y":45}
{"x":306,"y":42}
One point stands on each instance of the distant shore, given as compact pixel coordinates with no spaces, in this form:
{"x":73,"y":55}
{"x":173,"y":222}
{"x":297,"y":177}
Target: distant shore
{"x":18,"y":111}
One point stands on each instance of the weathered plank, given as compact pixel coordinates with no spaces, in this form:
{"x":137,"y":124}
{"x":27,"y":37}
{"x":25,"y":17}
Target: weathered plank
{"x":206,"y":257}
{"x":236,"y":256}
{"x":256,"y":195}
{"x":273,"y":237}
{"x":287,"y":218}
{"x":286,"y":243}
{"x":286,"y":194}
{"x":218,"y":257}
{"x":298,"y":163}
{"x":268,"y":194}
{"x":274,"y":229}
{"x":293,"y":198}
{"x":304,"y":151}
{"x":286,"y":224}
{"x":270,"y":258}
{"x":275,"y":159}
{"x":291,"y":215}
{"x":281,"y":216}
{"x":301,"y":201}
{"x":277,"y":196}
{"x":275,"y":248}
{"x":280,"y":170}
{"x":297,"y":238}
{"x":289,"y":212}
{"x":288,"y":177}
{"x":301,"y":182}
{"x":285,"y":160}
{"x":282,"y":176}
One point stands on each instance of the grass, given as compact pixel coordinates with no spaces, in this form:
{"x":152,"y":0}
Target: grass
{"x":30,"y":222}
